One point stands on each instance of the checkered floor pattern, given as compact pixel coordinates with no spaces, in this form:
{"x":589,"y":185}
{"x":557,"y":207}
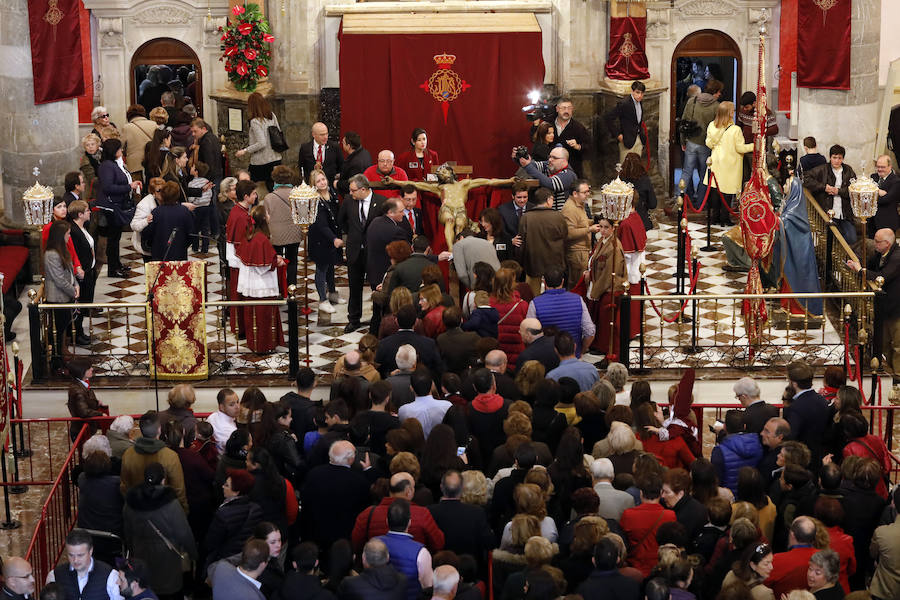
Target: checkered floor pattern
{"x":119,"y":339}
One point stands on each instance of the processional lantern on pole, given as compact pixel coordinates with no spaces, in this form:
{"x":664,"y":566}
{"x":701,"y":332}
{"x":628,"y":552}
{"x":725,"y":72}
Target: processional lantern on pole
{"x":37,"y":202}
{"x":304,"y":202}
{"x":616,"y":198}
{"x":864,"y":202}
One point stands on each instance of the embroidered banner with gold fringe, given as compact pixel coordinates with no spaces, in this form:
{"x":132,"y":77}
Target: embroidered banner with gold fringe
{"x":179,"y":320}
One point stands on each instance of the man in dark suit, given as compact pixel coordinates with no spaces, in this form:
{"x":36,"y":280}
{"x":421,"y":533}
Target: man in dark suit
{"x":357,"y":161}
{"x":382,"y":231}
{"x":408,"y":273}
{"x":333,"y":494}
{"x":412,"y":215}
{"x":538,"y":346}
{"x":886,"y":264}
{"x":495,"y":361}
{"x":426,"y":349}
{"x":319,"y":153}
{"x":808,"y":410}
{"x":356,"y":214}
{"x":605,"y":581}
{"x":512,"y":211}
{"x":626,"y":122}
{"x":457,"y":347}
{"x":74,"y":184}
{"x":209,"y":151}
{"x":378,"y":580}
{"x":239,"y":582}
{"x":888,"y":197}
{"x":830,"y":186}
{"x":757,"y":411}
{"x":302,"y":405}
{"x":465,"y":526}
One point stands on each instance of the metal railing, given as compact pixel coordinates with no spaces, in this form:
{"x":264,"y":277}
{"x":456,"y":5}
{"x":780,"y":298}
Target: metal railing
{"x":120,"y":343}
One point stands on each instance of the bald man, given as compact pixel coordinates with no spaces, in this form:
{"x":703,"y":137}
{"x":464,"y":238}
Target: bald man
{"x":384,"y":168}
{"x":372,"y":521}
{"x":446,"y":582}
{"x":888,"y":196}
{"x":320,"y":153}
{"x":886,"y":263}
{"x":18,"y":579}
{"x":538,"y":346}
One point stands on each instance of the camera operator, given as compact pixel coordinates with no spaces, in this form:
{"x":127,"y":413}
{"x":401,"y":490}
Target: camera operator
{"x":555,"y":174}
{"x":572,"y":135}
{"x":698,"y":112}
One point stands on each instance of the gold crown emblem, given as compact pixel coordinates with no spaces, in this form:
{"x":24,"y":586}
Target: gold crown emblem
{"x":444,"y":60}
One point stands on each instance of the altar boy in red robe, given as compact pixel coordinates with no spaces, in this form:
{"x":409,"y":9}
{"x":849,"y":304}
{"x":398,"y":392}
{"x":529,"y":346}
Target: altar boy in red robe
{"x":258,"y":278}
{"x":236,"y":229}
{"x":633,"y":235}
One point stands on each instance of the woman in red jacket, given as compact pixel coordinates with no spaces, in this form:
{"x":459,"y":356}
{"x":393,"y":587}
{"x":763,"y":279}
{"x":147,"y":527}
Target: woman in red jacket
{"x":866,"y":445}
{"x":671,"y":452}
{"x":418,"y":160}
{"x":432,"y":310}
{"x":511,"y":309}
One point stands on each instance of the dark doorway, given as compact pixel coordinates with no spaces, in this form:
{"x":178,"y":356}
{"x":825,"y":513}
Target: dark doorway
{"x":698,"y":57}
{"x":166,"y":64}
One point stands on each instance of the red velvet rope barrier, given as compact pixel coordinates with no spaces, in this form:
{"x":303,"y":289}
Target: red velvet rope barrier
{"x":692,"y":276}
{"x":712,"y":180}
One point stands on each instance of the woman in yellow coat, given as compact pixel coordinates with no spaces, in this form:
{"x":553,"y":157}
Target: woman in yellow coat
{"x":727,"y":143}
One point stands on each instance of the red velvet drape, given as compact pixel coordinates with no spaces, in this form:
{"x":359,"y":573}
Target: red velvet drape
{"x":385,"y":93}
{"x":823,"y":45}
{"x":627,"y":49}
{"x":56,"y":60}
{"x":787,"y":52}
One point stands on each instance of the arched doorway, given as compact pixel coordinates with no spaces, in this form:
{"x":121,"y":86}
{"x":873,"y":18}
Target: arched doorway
{"x":162,"y":64}
{"x":700,"y":55}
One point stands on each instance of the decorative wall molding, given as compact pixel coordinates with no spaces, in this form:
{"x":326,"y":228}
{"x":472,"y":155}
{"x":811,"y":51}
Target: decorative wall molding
{"x":109,"y":32}
{"x":162,"y":15}
{"x":706,"y":8}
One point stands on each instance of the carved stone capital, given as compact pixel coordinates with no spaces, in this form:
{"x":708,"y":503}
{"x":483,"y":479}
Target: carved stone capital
{"x":707,"y":8}
{"x":162,"y":15}
{"x":109,"y":32}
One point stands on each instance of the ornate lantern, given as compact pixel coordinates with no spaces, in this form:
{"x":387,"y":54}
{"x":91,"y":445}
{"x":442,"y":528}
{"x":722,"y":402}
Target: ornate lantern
{"x":37,"y":202}
{"x":304,"y":205}
{"x":864,"y":202}
{"x":616,"y":198}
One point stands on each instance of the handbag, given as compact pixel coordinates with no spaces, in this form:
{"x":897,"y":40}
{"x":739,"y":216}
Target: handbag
{"x":276,"y":137}
{"x":186,"y":563}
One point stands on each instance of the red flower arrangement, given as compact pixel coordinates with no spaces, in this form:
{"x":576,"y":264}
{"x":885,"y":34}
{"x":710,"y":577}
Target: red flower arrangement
{"x":246,"y":47}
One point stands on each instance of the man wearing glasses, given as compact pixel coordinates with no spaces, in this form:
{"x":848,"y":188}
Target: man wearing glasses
{"x":555,"y":174}
{"x":18,"y":579}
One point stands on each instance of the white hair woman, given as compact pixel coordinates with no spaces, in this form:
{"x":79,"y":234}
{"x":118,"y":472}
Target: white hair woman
{"x":103,"y":127}
{"x":119,"y":435}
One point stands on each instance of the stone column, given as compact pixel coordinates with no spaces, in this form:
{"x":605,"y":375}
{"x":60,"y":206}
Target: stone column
{"x":44,"y":136}
{"x":849,"y":118}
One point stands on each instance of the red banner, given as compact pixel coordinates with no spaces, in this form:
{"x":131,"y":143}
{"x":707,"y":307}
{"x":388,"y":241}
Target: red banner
{"x":627,"y":49}
{"x":787,"y":53}
{"x":56,"y":62}
{"x":823,"y":44}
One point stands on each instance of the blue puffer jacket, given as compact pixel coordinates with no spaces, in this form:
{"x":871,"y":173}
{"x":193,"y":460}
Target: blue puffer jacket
{"x":736,"y":451}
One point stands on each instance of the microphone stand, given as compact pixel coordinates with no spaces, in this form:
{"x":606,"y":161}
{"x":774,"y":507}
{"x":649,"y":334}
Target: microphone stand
{"x":151,"y":294}
{"x":225,"y":365}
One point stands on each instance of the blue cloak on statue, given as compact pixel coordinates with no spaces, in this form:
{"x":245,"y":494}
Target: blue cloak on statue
{"x":794,"y":251}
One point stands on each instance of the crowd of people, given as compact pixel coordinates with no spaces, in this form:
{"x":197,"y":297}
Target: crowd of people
{"x":546,"y":480}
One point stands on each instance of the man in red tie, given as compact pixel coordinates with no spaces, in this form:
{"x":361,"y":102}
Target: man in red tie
{"x":320,"y":153}
{"x":412,"y":214}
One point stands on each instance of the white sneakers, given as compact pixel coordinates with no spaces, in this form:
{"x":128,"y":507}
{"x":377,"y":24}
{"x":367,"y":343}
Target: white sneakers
{"x":326,"y":307}
{"x":335,"y":298}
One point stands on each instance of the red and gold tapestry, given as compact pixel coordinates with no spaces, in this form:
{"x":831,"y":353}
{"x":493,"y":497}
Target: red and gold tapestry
{"x":627,"y":49}
{"x":56,"y":51}
{"x":179,"y":320}
{"x":823,"y":44}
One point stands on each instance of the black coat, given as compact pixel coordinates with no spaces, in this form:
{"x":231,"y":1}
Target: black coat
{"x":165,"y":220}
{"x":381,"y":232}
{"x":408,"y":273}
{"x":622,"y":120}
{"x":510,"y":219}
{"x":646,"y":200}
{"x":457,"y":348}
{"x":231,"y":526}
{"x":887,"y":216}
{"x":324,"y":231}
{"x":891,"y":273}
{"x":808,"y":417}
{"x":578,"y":132}
{"x":356,"y":162}
{"x":332,"y":162}
{"x":302,"y":586}
{"x":426,"y":351}
{"x":465,"y":527}
{"x":100,"y":503}
{"x":378,"y":583}
{"x":82,"y":248}
{"x":757,"y":415}
{"x":332,"y":497}
{"x":506,"y":387}
{"x":691,"y":513}
{"x":541,"y":350}
{"x":302,"y":411}
{"x":348,"y":219}
{"x":284,"y":451}
{"x":210,"y":152}
{"x":609,"y":585}
{"x":113,"y":191}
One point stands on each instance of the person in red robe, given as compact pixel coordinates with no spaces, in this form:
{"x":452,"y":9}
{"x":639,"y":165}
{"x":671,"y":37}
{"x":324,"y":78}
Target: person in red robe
{"x":633,"y":236}
{"x":258,"y":278}
{"x":236,"y":229}
{"x":604,"y":277}
{"x":418,"y":160}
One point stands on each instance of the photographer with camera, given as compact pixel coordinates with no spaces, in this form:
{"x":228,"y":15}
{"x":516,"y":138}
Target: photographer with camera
{"x":698,"y":112}
{"x":555,"y":174}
